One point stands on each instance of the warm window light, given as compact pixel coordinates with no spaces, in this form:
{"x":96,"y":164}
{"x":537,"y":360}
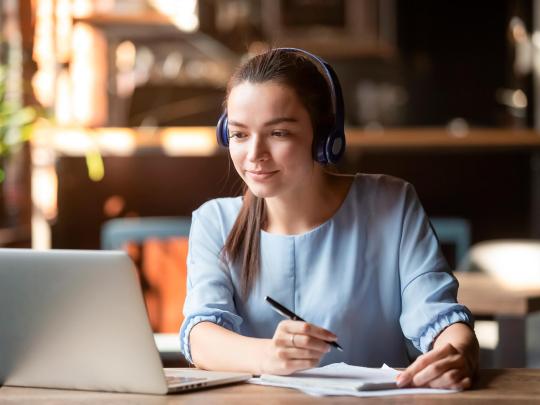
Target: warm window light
{"x":536,"y":39}
{"x":195,"y":141}
{"x":82,"y":72}
{"x":116,"y":141}
{"x":81,"y":142}
{"x":125,"y":56}
{"x":43,"y":87}
{"x":512,"y":98}
{"x":82,"y":8}
{"x":63,"y":30}
{"x":515,"y":264}
{"x":43,"y":82}
{"x":62,"y":110}
{"x":125,"y":64}
{"x":487,"y":333}
{"x":44,"y":187}
{"x":182,"y":13}
{"x":519,"y":99}
{"x":88,"y":79}
{"x":75,"y":142}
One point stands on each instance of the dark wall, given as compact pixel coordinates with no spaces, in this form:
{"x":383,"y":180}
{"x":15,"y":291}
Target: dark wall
{"x":454,"y":56}
{"x":150,"y":185}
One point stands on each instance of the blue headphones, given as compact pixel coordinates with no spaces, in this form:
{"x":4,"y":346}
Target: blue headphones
{"x":331,"y":146}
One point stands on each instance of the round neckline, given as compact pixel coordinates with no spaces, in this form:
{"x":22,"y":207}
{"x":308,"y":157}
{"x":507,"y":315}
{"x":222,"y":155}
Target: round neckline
{"x":322,"y":225}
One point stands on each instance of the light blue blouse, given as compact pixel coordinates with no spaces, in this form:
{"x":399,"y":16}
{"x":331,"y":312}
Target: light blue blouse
{"x":373,"y":274}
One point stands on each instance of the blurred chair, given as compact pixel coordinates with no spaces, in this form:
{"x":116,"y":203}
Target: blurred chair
{"x":515,"y":262}
{"x":455,"y":232}
{"x":158,"y":246}
{"x":116,"y":232}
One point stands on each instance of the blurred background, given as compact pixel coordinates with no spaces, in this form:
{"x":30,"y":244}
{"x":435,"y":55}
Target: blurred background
{"x":108,"y":110}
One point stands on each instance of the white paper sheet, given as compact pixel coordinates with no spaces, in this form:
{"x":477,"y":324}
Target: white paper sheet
{"x":341,"y":379}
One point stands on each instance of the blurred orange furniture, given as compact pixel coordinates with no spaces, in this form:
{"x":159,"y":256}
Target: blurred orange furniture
{"x":158,"y":247}
{"x":162,"y":270}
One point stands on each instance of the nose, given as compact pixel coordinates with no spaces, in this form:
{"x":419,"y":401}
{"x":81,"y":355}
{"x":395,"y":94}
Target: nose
{"x":257,"y":149}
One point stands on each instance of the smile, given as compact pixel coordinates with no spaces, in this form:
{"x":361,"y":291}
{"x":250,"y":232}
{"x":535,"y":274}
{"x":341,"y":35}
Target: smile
{"x":260,"y":176}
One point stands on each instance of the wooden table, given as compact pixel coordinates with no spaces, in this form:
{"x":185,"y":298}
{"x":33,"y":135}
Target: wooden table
{"x":492,"y":387}
{"x":485,"y":295}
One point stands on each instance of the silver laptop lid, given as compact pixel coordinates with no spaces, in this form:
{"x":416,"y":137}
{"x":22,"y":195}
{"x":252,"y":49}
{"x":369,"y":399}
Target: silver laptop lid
{"x":75,"y":319}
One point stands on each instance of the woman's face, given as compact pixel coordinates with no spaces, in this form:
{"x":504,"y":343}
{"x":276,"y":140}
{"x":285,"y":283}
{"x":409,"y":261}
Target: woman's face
{"x":270,"y":138}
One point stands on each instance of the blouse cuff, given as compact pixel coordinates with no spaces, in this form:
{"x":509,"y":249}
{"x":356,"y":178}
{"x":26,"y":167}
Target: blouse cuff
{"x":431,"y":331}
{"x":184,"y":333}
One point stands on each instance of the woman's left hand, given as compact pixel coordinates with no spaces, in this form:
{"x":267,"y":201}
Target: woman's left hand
{"x":442,"y":367}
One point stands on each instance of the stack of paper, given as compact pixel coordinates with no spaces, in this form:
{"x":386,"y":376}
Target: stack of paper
{"x":343,"y":379}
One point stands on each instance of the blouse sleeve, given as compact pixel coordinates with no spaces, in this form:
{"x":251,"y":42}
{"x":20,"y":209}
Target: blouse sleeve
{"x":428,"y":288}
{"x":209,"y":286}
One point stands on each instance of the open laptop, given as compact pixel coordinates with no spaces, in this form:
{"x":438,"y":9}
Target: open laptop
{"x":76,"y":319}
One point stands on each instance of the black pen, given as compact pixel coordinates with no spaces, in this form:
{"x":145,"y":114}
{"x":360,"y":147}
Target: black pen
{"x":280,"y":309}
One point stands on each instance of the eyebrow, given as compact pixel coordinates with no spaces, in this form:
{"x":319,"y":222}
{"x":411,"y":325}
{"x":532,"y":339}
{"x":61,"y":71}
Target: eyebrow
{"x":267,"y":123}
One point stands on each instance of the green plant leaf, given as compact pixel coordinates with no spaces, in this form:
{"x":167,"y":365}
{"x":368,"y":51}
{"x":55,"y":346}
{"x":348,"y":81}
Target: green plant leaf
{"x":15,"y":120}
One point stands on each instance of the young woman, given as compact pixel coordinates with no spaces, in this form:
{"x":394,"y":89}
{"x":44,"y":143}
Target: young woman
{"x":354,"y":255}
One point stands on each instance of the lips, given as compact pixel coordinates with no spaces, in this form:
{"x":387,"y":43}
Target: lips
{"x":260,"y":175}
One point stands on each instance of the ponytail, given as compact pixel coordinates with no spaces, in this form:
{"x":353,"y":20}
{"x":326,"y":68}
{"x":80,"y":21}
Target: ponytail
{"x":243,"y":243}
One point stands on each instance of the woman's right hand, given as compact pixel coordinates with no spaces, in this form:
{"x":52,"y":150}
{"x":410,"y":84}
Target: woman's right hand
{"x":295,"y":346}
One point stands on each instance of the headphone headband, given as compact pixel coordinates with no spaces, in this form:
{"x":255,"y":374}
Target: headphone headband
{"x":331,"y":146}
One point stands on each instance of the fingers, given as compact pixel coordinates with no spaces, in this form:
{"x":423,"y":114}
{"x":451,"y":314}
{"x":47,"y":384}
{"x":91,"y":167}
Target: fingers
{"x":441,"y":373}
{"x":311,"y":343}
{"x":453,"y":379}
{"x":286,"y":359}
{"x":285,"y":353}
{"x":289,"y":340}
{"x":423,"y":361}
{"x":297,"y":345}
{"x":304,"y":328}
{"x":444,"y":367}
{"x":304,"y":335}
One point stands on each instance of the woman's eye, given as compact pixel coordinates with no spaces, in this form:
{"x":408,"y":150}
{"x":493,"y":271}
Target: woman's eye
{"x":237,"y":135}
{"x":279,"y":132}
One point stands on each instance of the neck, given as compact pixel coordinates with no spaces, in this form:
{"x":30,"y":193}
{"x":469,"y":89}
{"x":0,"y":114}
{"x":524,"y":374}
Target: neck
{"x":302,"y":210}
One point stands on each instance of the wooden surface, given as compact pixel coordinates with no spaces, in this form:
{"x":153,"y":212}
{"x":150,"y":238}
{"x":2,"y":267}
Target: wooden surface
{"x":485,"y":295}
{"x":440,"y":138}
{"x":493,"y":386}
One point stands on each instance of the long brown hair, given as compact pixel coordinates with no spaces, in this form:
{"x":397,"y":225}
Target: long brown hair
{"x":301,"y":74}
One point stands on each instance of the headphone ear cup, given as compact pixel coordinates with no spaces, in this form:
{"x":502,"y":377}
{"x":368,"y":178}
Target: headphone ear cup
{"x":334,"y":146}
{"x":222,"y":131}
{"x":319,"y":149}
{"x":329,"y":146}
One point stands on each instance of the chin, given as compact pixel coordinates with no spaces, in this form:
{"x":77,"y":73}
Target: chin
{"x":261,"y":191}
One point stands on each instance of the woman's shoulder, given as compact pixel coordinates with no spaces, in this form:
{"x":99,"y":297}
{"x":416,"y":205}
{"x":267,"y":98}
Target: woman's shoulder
{"x":380,"y":185}
{"x":381,"y":200}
